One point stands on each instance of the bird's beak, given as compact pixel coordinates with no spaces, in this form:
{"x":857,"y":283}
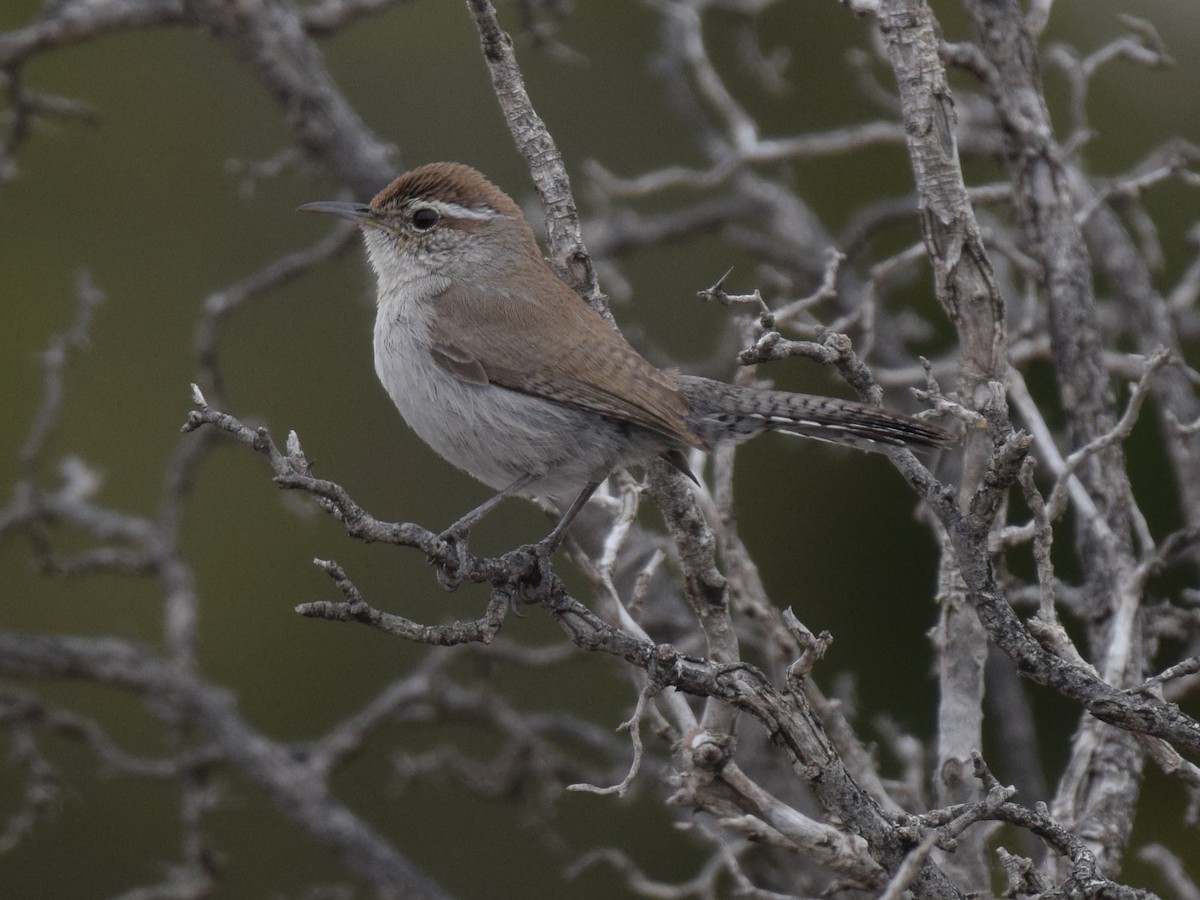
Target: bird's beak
{"x":355,"y":212}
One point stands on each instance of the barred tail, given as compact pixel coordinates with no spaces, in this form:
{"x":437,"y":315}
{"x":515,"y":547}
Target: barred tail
{"x":722,"y":411}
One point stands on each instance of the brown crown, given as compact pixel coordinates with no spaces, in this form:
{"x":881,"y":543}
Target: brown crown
{"x":448,"y":182}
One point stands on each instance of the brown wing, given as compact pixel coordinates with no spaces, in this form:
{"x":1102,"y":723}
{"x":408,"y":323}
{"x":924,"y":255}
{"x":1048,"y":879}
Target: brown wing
{"x":489,"y":337}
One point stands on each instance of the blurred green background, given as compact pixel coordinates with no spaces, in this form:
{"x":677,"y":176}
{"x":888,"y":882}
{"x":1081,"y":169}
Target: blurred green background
{"x":150,"y":203}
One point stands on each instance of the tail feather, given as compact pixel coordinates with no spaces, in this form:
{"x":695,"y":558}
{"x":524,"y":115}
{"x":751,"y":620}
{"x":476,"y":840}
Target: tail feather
{"x":722,"y":411}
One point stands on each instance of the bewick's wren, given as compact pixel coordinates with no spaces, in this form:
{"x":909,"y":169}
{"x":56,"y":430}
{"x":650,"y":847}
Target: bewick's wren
{"x":506,"y":372}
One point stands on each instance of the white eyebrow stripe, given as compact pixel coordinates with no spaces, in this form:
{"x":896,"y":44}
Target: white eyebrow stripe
{"x":454,"y":211}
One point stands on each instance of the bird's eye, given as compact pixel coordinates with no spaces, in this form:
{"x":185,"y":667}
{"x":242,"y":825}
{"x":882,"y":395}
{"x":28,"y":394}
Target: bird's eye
{"x":425,"y":218}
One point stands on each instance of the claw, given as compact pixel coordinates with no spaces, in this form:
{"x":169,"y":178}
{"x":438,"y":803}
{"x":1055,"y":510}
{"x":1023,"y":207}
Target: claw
{"x":449,"y":575}
{"x":447,"y":581}
{"x":533,"y":585}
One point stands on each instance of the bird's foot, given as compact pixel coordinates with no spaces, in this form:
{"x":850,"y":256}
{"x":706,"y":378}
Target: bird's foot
{"x":451,"y":567}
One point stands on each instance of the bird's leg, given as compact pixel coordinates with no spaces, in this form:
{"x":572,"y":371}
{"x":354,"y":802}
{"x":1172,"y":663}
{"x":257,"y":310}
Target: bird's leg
{"x":456,"y":535}
{"x":551,"y":541}
{"x":464,"y":525}
{"x":545,"y":548}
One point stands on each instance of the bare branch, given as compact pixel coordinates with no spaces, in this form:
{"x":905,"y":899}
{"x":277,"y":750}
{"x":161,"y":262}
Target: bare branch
{"x":541,"y":154}
{"x":220,"y":305}
{"x":269,"y":37}
{"x":355,"y":609}
{"x":633,"y":726}
{"x":283,"y":777}
{"x":54,"y":362}
{"x":754,"y":761}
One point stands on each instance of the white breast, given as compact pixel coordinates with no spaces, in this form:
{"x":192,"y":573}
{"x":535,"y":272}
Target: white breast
{"x":495,"y":434}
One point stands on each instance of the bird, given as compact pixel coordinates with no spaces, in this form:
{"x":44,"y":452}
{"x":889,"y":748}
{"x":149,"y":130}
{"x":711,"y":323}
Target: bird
{"x":509,"y":375}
